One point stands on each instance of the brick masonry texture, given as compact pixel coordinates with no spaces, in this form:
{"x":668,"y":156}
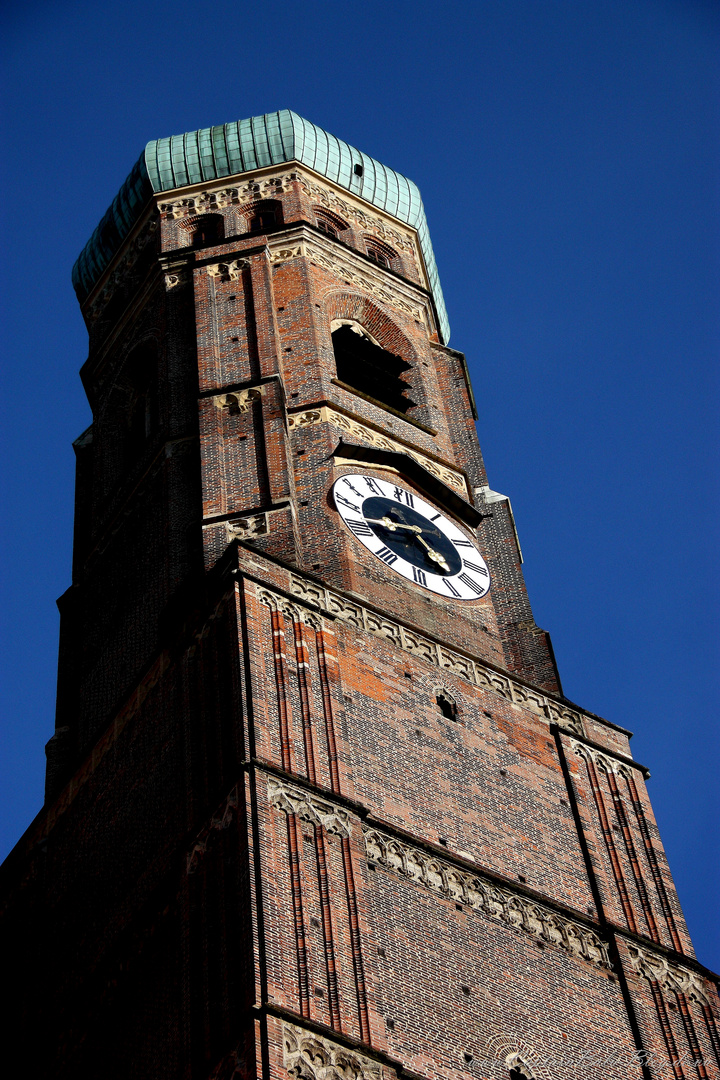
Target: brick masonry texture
{"x":267,"y":850}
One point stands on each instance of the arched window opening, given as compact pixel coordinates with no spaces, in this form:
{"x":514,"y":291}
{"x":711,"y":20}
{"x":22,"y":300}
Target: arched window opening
{"x":380,"y":253}
{"x":519,"y":1068}
{"x":265,"y":216}
{"x":207,"y":229}
{"x":330,"y":224}
{"x":366,"y":367}
{"x":447,"y":705}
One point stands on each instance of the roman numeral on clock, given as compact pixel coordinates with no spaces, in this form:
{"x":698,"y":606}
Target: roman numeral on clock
{"x":346,"y":502}
{"x":352,"y":488}
{"x":373,"y":485}
{"x":419,"y":576}
{"x":386,"y":555}
{"x":477,"y":569}
{"x":467,"y":580}
{"x":359,"y":527}
{"x":401,"y":495}
{"x":462,"y":543}
{"x":451,"y":588}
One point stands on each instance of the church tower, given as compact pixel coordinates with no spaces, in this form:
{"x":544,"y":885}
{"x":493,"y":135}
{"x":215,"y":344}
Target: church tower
{"x":316,"y":804}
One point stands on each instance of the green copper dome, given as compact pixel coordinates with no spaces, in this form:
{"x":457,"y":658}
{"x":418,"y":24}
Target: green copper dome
{"x":233,"y":149}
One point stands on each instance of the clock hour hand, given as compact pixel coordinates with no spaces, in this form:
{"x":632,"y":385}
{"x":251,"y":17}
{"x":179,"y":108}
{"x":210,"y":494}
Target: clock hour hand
{"x":388,"y":523}
{"x":433,"y":555}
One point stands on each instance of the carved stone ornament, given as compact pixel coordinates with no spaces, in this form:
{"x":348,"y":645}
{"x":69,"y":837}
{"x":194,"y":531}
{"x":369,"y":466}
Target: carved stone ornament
{"x":239,"y":401}
{"x":308,"y":1056}
{"x":245,"y":527}
{"x":283,"y":254}
{"x":326,"y":415}
{"x":175,"y":278}
{"x":122,"y":276}
{"x":222,"y":819}
{"x":352,"y":272}
{"x":326,"y":197}
{"x":228,"y":271}
{"x":603,"y":761}
{"x":473,"y":670}
{"x":218,"y":198}
{"x":308,"y":807}
{"x":514,"y":910}
{"x":293,"y":612}
{"x":671,"y":978}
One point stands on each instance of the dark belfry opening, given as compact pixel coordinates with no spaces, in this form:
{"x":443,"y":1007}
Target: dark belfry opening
{"x":370,"y":369}
{"x":207,"y":229}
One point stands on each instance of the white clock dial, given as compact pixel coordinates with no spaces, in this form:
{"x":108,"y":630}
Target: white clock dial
{"x":411,"y":537}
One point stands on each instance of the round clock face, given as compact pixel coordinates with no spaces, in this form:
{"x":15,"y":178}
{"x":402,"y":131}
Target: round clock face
{"x":411,"y":536}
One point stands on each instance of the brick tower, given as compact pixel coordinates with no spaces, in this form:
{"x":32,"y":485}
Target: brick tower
{"x":316,"y":805}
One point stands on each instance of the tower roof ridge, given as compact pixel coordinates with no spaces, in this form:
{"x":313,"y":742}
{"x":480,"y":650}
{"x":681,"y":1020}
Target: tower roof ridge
{"x":242,"y":146}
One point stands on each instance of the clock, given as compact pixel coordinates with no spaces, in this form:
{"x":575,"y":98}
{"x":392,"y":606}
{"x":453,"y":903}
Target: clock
{"x":411,"y":537}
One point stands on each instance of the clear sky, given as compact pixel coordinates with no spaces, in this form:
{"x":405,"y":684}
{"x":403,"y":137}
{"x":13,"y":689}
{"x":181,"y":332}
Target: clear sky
{"x":566,"y":153}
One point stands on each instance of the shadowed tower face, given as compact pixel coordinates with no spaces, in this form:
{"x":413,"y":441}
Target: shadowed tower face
{"x":316,"y":806}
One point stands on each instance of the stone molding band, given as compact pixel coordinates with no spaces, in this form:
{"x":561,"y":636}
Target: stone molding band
{"x":326,"y":415}
{"x":512,"y":909}
{"x":308,"y":807}
{"x":308,"y":1056}
{"x":603,"y":761}
{"x":474,"y":671}
{"x":276,"y":602}
{"x":671,"y":977}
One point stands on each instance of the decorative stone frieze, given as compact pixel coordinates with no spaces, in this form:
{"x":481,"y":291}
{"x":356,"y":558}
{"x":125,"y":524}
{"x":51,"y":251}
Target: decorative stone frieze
{"x":471,"y":669}
{"x":348,"y":210}
{"x":294,"y":612}
{"x":513,"y":909}
{"x":214,"y":199}
{"x":176,"y":278}
{"x":327,"y":415}
{"x":228,"y":271}
{"x":308,"y":807}
{"x":239,"y":401}
{"x":671,"y":977}
{"x":351,"y":270}
{"x":122,"y":276}
{"x":602,"y":761}
{"x":284,"y":253}
{"x":222,"y":819}
{"x":308,"y":1056}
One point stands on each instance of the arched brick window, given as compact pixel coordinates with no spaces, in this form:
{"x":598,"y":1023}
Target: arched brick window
{"x":446,"y":704}
{"x":519,"y":1068}
{"x":265,"y":216}
{"x":364,"y":366}
{"x":381,"y":254}
{"x":330,"y":224}
{"x":206,"y":229}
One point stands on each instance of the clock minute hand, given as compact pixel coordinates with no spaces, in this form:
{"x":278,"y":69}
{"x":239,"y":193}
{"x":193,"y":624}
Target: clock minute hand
{"x":433,"y":555}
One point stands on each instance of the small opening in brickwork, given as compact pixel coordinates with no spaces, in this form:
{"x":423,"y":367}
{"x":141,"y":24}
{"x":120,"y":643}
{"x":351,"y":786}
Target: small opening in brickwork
{"x":207,"y":229}
{"x":443,"y":840}
{"x":315,"y":922}
{"x":381,"y":951}
{"x":368,"y":368}
{"x":468,"y":1057}
{"x":390,"y":1023}
{"x":141,"y":374}
{"x":319,"y":992}
{"x":465,"y":990}
{"x":521,"y":878}
{"x":447,"y":705}
{"x":488,"y":714}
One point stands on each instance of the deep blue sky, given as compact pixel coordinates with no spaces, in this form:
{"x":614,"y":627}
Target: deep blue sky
{"x":566,"y":153}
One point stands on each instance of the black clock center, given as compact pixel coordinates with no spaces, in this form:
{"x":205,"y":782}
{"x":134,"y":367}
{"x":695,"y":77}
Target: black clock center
{"x":414,"y":537}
